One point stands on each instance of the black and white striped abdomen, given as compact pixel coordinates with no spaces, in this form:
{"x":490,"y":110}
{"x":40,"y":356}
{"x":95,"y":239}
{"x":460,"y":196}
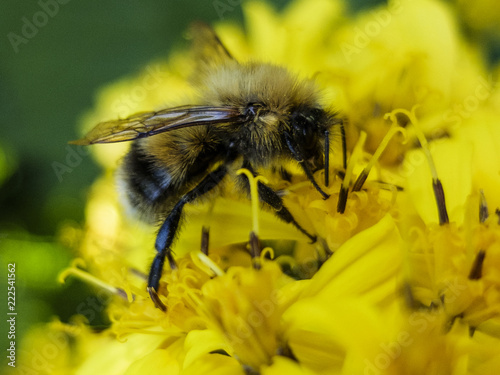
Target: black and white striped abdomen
{"x":146,"y":188}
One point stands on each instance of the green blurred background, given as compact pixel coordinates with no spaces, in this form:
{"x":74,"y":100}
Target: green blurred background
{"x":50,"y":72}
{"x":49,"y":75}
{"x":54,"y":58}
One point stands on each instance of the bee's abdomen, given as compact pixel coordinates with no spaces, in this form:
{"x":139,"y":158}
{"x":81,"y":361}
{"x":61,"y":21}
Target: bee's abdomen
{"x":147,"y":188}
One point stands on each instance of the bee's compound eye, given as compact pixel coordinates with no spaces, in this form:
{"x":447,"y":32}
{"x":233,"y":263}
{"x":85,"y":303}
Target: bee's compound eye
{"x":305,"y":124}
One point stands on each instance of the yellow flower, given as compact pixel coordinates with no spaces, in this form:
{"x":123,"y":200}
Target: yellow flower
{"x":405,"y":280}
{"x":338,"y":307}
{"x":457,"y":264}
{"x":250,"y":312}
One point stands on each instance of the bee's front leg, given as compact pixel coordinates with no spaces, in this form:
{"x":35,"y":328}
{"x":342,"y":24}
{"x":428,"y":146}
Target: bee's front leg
{"x":298,"y":155}
{"x":272,"y":198}
{"x":168,"y":230}
{"x":268,"y":195}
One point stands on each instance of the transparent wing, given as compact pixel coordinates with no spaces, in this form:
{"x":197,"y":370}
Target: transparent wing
{"x":207,"y":45}
{"x":147,"y":124}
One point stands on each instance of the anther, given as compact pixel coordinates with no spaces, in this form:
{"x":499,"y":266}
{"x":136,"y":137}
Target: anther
{"x":476,"y":270}
{"x":483,"y":207}
{"x":204,"y":239}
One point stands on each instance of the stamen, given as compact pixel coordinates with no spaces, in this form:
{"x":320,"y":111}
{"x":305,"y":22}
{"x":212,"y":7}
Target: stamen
{"x":253,"y":181}
{"x":193,"y":300}
{"x":389,"y":187}
{"x":472,"y":330}
{"x":255,"y":248}
{"x":204,"y":239}
{"x":476,"y":270}
{"x":440,"y":201}
{"x":483,"y":207}
{"x":254,"y":196}
{"x":140,"y":274}
{"x":248,"y":370}
{"x":205,"y":230}
{"x":395,"y":128}
{"x":327,"y":158}
{"x":409,"y":297}
{"x":344,"y":145}
{"x":267,"y":253}
{"x":90,"y":279}
{"x":206,"y":261}
{"x":436,"y":183}
{"x":344,"y":189}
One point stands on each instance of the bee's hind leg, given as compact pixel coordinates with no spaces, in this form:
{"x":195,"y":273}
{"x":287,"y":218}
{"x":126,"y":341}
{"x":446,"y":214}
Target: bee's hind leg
{"x":155,"y":275}
{"x":168,"y":230}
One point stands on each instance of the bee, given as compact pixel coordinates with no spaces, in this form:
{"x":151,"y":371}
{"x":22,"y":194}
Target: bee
{"x":250,"y":115}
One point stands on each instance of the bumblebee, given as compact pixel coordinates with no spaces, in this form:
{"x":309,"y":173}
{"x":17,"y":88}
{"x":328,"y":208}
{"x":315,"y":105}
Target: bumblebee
{"x":252,"y":115}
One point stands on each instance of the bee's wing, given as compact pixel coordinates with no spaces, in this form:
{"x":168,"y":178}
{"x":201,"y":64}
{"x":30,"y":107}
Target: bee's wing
{"x":150,"y":123}
{"x":208,"y":48}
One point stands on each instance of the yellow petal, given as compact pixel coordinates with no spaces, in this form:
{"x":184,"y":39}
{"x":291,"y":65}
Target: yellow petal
{"x":326,"y":335}
{"x":453,"y":160}
{"x":282,"y":365}
{"x":116,"y":357}
{"x":199,"y":343}
{"x":483,"y":135}
{"x":214,"y":364}
{"x":159,"y":362}
{"x":366,"y":264}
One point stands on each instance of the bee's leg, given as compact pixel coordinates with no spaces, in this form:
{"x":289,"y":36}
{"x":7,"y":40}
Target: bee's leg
{"x":344,"y":145}
{"x":168,"y":230}
{"x":298,"y":155}
{"x":269,"y":196}
{"x":155,"y":275}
